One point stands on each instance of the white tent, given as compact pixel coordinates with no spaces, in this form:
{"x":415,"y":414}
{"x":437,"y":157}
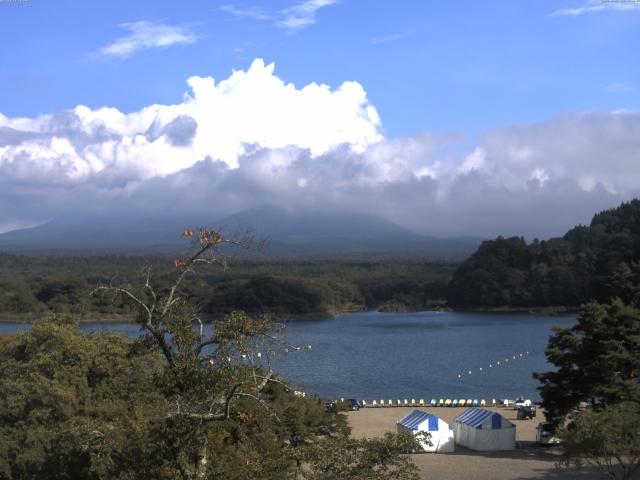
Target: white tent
{"x":482,"y":430}
{"x":441,"y":432}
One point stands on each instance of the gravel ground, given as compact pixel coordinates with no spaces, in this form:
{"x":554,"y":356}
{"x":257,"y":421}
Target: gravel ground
{"x":528,"y":461}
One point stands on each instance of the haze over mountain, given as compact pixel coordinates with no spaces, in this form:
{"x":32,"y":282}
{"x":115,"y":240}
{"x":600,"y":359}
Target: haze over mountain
{"x":288,"y":233}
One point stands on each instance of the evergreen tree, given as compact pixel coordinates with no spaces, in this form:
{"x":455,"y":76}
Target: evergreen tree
{"x":598,"y":359}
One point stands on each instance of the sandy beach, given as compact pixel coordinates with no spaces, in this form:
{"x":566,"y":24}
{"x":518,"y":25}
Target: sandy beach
{"x":528,"y":461}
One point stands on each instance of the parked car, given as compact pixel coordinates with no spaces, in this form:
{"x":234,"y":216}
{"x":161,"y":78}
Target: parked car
{"x":544,"y":434}
{"x":526,"y":412}
{"x":521,"y":402}
{"x":330,"y":406}
{"x":353,"y":403}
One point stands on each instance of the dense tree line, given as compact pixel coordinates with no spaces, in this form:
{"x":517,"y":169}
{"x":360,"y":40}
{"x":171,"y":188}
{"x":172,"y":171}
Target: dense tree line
{"x":566,"y":271}
{"x":36,"y":286}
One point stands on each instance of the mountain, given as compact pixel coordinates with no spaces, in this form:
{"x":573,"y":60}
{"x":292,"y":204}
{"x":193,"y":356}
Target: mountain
{"x":564,"y":271}
{"x":96,"y":234}
{"x":290,"y":234}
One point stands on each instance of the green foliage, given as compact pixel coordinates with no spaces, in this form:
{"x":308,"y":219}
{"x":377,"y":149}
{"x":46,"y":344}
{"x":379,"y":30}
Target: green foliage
{"x":365,"y":459}
{"x":74,"y":405}
{"x":597,"y":360}
{"x":608,"y":440}
{"x":32,"y":286}
{"x":100,"y":406}
{"x":567,"y":271}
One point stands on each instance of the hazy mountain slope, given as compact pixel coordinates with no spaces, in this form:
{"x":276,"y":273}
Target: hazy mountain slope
{"x":290,"y":234}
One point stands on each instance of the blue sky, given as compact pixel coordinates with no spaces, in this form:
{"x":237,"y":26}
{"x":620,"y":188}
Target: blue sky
{"x":450,"y":118}
{"x":461,"y":66}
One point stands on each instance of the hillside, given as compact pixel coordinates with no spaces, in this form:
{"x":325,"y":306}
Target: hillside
{"x":565,"y":271}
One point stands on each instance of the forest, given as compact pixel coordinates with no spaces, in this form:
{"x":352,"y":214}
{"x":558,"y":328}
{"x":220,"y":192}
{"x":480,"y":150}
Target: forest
{"x":566,"y":271}
{"x":33,"y":287}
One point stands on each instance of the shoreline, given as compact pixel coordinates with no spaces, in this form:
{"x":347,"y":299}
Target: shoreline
{"x":13,"y":317}
{"x":34,"y":318}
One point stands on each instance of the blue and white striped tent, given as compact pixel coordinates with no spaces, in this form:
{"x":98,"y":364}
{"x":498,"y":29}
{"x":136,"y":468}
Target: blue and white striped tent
{"x":441,"y":433}
{"x":483,"y":430}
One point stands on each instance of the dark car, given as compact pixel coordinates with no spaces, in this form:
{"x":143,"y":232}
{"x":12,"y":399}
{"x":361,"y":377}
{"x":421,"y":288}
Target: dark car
{"x":526,"y":412}
{"x":353,"y":403}
{"x":330,"y":406}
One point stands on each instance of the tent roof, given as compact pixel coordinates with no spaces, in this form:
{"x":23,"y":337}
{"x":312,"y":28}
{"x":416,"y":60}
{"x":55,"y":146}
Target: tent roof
{"x":415,"y":418}
{"x":477,"y":417}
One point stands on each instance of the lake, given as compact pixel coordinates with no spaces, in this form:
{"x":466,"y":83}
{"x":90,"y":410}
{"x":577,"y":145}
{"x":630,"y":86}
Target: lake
{"x":374,"y":355}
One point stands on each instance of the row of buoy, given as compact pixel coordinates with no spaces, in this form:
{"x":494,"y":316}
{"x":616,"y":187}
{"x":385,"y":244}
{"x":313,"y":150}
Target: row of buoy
{"x":497,"y":363}
{"x":246,"y":352}
{"x":434,"y":403}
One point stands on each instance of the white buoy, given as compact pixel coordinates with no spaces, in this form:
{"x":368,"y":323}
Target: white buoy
{"x":459,"y":376}
{"x":469,"y":372}
{"x":490,"y":366}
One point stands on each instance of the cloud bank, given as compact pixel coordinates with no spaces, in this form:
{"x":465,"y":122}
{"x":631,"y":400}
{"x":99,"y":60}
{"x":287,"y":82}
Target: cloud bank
{"x":253,"y":139}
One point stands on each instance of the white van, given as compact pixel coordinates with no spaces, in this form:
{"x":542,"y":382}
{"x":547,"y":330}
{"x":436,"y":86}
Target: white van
{"x":544,"y":435}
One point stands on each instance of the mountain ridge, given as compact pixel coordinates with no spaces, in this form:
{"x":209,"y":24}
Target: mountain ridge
{"x":292,"y":233}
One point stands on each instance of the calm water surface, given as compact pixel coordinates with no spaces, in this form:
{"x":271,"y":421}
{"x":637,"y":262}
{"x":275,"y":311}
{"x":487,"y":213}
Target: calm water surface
{"x":373,"y":355}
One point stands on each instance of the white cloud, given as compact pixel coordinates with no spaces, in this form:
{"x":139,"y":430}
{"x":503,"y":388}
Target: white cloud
{"x":618,"y":87}
{"x":302,"y":14}
{"x":146,"y":36}
{"x":593,"y":6}
{"x":253,"y":139}
{"x":250,"y":109}
{"x":393,"y":37}
{"x":253,"y":12}
{"x":291,"y":19}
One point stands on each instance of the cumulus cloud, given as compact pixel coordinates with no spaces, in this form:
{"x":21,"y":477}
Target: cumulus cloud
{"x":144,"y":36}
{"x":253,"y":139}
{"x":250,"y":109}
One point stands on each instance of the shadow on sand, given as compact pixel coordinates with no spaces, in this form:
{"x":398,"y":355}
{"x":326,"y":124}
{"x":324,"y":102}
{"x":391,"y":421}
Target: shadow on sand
{"x":549,"y":457}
